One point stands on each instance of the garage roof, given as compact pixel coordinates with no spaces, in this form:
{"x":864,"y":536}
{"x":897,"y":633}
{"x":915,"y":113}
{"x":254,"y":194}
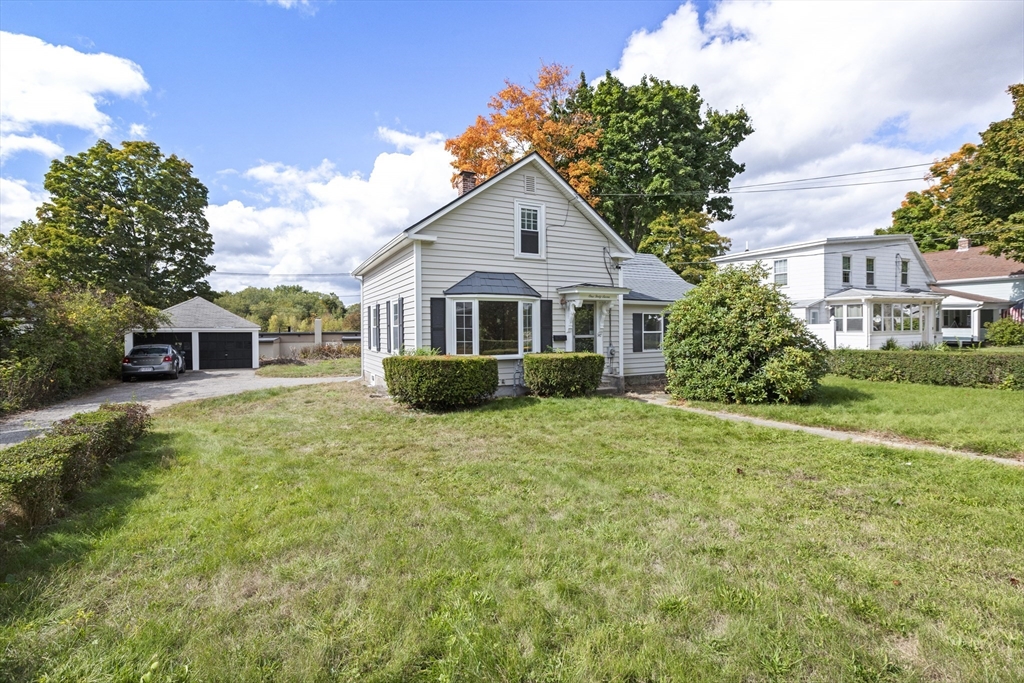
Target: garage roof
{"x":198,"y":313}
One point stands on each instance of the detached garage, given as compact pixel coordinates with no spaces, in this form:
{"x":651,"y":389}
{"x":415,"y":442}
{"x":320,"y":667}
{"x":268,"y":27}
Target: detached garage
{"x":209,"y":337}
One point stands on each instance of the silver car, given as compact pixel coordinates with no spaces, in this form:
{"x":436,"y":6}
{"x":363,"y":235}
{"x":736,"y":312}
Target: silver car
{"x":150,"y":360}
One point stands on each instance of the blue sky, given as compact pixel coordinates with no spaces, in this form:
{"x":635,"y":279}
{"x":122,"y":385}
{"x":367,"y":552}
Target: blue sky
{"x":319,"y":127}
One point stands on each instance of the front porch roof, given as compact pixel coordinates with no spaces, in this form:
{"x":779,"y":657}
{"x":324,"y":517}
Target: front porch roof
{"x":502,"y":284}
{"x":857,"y":294}
{"x":588,"y":290}
{"x":967,"y":296}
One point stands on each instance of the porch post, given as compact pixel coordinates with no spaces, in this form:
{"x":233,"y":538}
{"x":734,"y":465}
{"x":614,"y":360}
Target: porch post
{"x":976,"y":324}
{"x":865,"y":308}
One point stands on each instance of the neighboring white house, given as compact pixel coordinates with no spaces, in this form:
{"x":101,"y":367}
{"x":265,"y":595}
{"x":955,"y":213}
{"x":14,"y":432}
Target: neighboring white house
{"x":979,"y":288}
{"x":208,"y":336}
{"x":517,"y":264}
{"x":854,"y":292}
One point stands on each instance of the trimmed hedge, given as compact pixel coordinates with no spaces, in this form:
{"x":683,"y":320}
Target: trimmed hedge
{"x":949,"y":368}
{"x":563,"y":374}
{"x":38,"y":475}
{"x":441,"y":382}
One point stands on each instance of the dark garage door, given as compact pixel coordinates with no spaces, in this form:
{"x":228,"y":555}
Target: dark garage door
{"x":220,"y":350}
{"x":180,"y":340}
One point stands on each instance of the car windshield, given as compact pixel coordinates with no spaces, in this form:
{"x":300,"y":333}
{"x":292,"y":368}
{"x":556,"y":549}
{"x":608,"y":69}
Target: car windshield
{"x":150,"y":350}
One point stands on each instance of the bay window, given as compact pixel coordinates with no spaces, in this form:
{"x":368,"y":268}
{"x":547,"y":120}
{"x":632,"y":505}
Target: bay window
{"x":487,"y":327}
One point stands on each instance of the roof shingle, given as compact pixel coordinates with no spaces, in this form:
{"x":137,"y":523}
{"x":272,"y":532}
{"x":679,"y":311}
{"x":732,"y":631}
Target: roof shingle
{"x":974,"y":262}
{"x":651,"y":280}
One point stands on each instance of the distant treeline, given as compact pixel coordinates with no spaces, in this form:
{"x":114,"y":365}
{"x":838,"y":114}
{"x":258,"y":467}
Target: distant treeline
{"x":287,"y":307}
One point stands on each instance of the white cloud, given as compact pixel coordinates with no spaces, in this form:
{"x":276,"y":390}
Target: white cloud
{"x":46,"y":85}
{"x":12,"y":144}
{"x":838,"y":87}
{"x":18,"y":202}
{"x":326,"y":221}
{"x":305,"y":6}
{"x":138,"y":131}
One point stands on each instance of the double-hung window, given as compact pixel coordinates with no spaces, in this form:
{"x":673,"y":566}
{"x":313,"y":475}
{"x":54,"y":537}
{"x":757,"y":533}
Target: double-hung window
{"x":904,"y":272}
{"x":782,"y":272}
{"x":847,"y":269}
{"x":502,"y":328}
{"x":653,"y":330}
{"x":854,"y":317}
{"x":837,"y":315}
{"x":869,"y":272}
{"x":396,"y":323}
{"x":530,"y":230}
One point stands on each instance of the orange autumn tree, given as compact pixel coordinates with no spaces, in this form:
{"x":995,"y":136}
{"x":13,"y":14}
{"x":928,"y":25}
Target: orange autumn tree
{"x":531,"y":120}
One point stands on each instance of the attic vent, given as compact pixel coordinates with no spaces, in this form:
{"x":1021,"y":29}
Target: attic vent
{"x":531,"y":184}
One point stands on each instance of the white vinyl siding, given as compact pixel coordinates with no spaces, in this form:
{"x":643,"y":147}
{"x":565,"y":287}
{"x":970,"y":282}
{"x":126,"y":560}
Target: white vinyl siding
{"x":383,"y":286}
{"x":640,"y":362}
{"x":480,"y":236}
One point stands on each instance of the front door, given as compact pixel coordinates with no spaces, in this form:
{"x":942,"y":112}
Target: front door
{"x":583,"y":329}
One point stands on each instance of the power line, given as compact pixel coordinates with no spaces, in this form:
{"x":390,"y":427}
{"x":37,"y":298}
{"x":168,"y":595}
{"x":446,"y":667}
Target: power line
{"x":827,"y":187}
{"x":218,"y":272}
{"x":838,"y":175}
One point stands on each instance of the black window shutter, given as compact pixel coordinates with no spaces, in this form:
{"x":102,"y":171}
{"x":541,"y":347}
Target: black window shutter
{"x":387,"y":327}
{"x":546,"y":326}
{"x":638,"y":332}
{"x":437,"y":326}
{"x":401,"y":323}
{"x":369,"y":329}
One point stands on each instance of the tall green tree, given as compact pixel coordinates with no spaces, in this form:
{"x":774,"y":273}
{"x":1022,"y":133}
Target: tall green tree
{"x":127,"y":220}
{"x":660,"y":150}
{"x":284,"y":306}
{"x":979,"y":193}
{"x":686,"y":243}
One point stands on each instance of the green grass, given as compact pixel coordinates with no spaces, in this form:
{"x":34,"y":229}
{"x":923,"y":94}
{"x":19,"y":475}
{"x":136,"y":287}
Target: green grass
{"x":339,"y":367}
{"x":320,"y":534}
{"x":999,"y":349}
{"x":987,"y":421}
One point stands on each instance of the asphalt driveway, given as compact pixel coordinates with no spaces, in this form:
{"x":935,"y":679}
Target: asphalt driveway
{"x":156,"y":393}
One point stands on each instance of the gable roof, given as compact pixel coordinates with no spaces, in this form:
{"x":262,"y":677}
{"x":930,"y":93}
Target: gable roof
{"x":972,"y":263}
{"x":532,"y":159}
{"x":505,"y":284}
{"x":651,"y":280}
{"x":200,"y":313}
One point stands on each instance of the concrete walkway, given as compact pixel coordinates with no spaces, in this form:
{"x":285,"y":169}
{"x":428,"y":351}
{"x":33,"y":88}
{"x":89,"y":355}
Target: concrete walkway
{"x":853,"y":437}
{"x":156,"y":393}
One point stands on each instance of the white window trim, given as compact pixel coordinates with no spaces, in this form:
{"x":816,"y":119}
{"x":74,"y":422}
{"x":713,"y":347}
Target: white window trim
{"x":872,"y":272}
{"x":541,"y":228}
{"x":644,"y":332}
{"x":776,"y":273}
{"x":846,"y":274}
{"x":475,"y":300}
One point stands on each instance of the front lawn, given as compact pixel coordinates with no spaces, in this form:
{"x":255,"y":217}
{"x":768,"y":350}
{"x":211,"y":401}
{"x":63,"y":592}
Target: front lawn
{"x":981,"y":420}
{"x":338,"y":367}
{"x":321,"y":534}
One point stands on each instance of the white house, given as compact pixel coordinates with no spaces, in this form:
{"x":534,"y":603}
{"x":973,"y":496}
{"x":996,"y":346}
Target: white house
{"x":517,"y":264}
{"x":978,"y":288}
{"x":854,"y":292}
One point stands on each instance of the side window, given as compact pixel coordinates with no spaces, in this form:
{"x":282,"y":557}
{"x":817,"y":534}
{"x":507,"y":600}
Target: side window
{"x":869,"y":272}
{"x":847,"y":269}
{"x":395,"y":323}
{"x":904,"y":272}
{"x":782,"y":272}
{"x":837,"y":314}
{"x":652,"y":331}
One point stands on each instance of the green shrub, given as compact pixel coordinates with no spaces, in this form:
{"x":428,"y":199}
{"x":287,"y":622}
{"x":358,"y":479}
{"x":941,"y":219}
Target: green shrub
{"x":330,"y":351}
{"x":38,"y":474}
{"x":732,"y":339}
{"x":441,"y":382}
{"x":948,"y":368}
{"x":563,"y":374}
{"x":1005,"y":332}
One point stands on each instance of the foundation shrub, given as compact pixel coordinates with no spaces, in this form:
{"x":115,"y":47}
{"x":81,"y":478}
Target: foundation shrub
{"x":1005,"y":332}
{"x":958,"y":369}
{"x":441,"y":382}
{"x":563,"y":374}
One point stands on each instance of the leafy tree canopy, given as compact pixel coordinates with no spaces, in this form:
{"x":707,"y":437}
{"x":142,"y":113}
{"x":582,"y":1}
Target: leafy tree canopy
{"x":125,"y":220}
{"x":686,"y":243}
{"x":634,"y":152}
{"x":979,"y":193}
{"x":278,"y":308}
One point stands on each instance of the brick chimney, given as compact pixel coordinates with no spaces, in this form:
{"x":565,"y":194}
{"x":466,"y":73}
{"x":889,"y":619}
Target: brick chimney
{"x":963,"y":244}
{"x":465,"y":182}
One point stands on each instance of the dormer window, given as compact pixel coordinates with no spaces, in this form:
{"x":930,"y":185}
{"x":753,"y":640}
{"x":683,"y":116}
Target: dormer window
{"x":529,"y":230}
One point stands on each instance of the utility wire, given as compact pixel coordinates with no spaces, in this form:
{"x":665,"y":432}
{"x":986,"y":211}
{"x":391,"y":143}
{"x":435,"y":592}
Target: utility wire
{"x":838,"y":175}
